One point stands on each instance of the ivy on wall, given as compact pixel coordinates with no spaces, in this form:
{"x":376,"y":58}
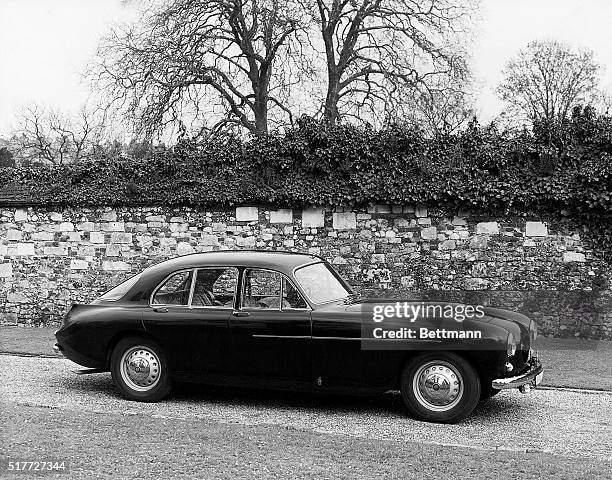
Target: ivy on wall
{"x":321,"y":164}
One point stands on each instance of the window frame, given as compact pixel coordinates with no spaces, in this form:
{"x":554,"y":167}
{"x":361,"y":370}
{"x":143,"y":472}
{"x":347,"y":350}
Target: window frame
{"x":222,"y":307}
{"x":333,"y":272}
{"x":194,"y":272}
{"x":163,"y":282}
{"x":280,"y":309}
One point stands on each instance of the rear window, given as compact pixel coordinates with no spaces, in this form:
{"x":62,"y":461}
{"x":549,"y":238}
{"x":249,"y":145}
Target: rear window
{"x":120,"y":290}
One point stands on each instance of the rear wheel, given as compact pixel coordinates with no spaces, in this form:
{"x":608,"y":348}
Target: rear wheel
{"x":440,"y":387}
{"x":140,"y":369}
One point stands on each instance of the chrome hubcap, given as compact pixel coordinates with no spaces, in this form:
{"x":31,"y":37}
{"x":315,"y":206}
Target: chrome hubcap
{"x":438,"y":386}
{"x":140,"y":368}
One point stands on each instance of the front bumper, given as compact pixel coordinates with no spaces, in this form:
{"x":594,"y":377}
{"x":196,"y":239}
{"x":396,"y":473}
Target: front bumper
{"x":525,"y":381}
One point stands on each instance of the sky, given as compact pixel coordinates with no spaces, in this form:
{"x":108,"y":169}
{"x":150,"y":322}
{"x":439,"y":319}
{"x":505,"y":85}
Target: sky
{"x":45,"y":45}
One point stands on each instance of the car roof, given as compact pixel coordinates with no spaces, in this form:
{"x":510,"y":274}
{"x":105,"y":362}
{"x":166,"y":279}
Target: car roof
{"x":283,"y":261}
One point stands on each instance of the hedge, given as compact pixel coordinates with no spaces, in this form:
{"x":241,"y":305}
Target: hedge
{"x":320,"y":164}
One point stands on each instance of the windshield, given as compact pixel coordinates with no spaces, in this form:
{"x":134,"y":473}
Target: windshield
{"x":320,"y":283}
{"x":121,"y":289}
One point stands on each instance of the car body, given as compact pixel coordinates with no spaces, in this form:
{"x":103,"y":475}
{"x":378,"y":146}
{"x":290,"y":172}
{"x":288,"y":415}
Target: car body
{"x":288,"y":321}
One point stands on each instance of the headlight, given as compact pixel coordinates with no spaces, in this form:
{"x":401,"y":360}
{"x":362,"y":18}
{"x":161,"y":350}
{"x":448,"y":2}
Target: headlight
{"x":533,"y":330}
{"x":511,"y":345}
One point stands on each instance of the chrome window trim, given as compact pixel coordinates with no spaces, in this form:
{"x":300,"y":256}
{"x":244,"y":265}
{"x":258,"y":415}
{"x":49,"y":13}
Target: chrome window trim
{"x":215,"y":307}
{"x":280,"y":309}
{"x":166,"y":278}
{"x":334,"y":273}
{"x":189,"y":305}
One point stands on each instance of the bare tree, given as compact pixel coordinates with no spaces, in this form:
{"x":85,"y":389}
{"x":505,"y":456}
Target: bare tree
{"x":376,"y":48}
{"x":438,"y":109}
{"x":47,"y":135}
{"x":547,"y":79}
{"x":202,"y":66}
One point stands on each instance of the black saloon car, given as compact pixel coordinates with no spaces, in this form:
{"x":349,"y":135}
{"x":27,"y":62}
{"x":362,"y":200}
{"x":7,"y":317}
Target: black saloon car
{"x":289,"y":321}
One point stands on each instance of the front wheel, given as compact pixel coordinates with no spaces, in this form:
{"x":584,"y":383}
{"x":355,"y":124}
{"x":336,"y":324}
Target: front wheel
{"x":140,"y":370}
{"x":440,"y":387}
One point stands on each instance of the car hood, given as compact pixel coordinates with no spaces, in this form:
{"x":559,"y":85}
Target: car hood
{"x":515,"y":323}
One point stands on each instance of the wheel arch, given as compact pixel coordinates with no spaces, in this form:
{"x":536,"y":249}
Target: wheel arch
{"x":115,"y":339}
{"x":486,"y":366}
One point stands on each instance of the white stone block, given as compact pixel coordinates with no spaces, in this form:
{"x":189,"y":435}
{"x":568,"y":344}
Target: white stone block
{"x":313,"y":217}
{"x":74,"y":236}
{"x":121,"y":237}
{"x":115,"y":266}
{"x":59,"y":251}
{"x":78,"y":264}
{"x":112,"y":227}
{"x":16,"y":297}
{"x":86,"y":226}
{"x":112,"y":250}
{"x":6,"y":270}
{"x":156,"y":218}
{"x":382,"y":208}
{"x":487,"y":228}
{"x":96,"y":237}
{"x":56,"y":217}
{"x":421,"y":211}
{"x":247,"y":214}
{"x":13,"y":235}
{"x":109,"y":216}
{"x":344,"y":221}
{"x":283,"y":215}
{"x":573,"y":257}
{"x":21,"y":215}
{"x":378,"y":258}
{"x":447,"y":245}
{"x":25,"y":249}
{"x":536,"y":229}
{"x":209,"y":240}
{"x":183,"y":248}
{"x":429,"y":233}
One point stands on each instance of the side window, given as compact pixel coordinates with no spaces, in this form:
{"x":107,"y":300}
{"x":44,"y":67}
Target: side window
{"x":175,"y":290}
{"x":291,"y":297}
{"x":261,"y":289}
{"x":215,"y":287}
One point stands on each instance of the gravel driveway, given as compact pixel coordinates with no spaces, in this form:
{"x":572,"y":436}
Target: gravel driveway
{"x":567,"y":424}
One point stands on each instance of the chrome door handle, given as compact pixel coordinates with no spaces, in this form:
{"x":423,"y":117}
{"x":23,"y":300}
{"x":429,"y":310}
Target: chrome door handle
{"x":240,"y":314}
{"x":160,"y":310}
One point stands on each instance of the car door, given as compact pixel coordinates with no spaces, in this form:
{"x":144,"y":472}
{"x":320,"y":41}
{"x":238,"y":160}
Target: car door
{"x":338,"y":359}
{"x":271,"y":332}
{"x":192,"y":324}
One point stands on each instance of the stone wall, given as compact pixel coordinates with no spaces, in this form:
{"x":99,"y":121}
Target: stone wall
{"x":50,"y":259}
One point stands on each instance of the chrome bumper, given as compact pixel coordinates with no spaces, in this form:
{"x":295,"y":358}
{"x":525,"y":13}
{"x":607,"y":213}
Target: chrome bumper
{"x":525,"y":381}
